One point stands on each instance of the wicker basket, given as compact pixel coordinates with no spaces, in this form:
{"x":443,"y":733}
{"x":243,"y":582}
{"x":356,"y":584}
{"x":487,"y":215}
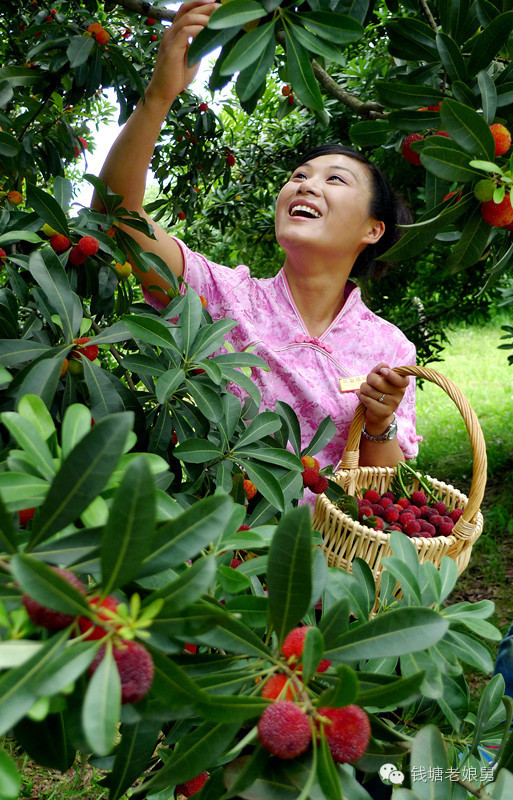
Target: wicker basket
{"x":345,"y":539}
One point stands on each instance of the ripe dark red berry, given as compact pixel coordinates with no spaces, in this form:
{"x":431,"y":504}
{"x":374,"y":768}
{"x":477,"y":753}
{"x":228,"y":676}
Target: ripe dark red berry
{"x":275,"y":686}
{"x":348,"y":733}
{"x":372,"y":496}
{"x":25,"y":515}
{"x":48,"y":617}
{"x":203,"y":106}
{"x":409,"y":154}
{"x":230,"y":159}
{"x":294,"y":643}
{"x":418,"y":498}
{"x":284,"y":729}
{"x":88,"y":245}
{"x":135,"y":667}
{"x":90,"y":352}
{"x":193,"y":786}
{"x":59,"y":243}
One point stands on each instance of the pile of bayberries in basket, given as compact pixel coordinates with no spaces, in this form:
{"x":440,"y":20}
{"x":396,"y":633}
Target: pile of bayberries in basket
{"x":413,"y":515}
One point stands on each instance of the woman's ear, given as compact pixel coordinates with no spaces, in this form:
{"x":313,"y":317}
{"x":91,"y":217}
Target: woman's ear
{"x":375,"y":232}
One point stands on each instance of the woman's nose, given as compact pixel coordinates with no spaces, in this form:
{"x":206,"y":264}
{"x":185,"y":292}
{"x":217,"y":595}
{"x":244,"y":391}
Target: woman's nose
{"x":309,"y":186}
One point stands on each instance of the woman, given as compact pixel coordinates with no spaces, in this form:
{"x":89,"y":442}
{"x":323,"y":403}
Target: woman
{"x":308,"y":322}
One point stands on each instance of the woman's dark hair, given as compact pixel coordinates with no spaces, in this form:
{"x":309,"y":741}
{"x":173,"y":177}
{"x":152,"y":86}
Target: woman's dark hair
{"x":384,"y":206}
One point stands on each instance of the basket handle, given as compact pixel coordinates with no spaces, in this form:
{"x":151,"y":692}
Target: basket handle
{"x":351,"y":454}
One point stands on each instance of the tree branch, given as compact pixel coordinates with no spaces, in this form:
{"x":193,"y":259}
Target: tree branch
{"x":147,"y":10}
{"x":427,"y":13}
{"x":370,"y":110}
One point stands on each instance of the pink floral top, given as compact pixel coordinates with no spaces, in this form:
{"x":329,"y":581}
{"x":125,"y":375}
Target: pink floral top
{"x":304,"y":371}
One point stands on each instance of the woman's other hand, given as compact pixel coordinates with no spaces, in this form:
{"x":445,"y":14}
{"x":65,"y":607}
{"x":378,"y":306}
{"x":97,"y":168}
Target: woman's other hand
{"x":381,"y":395}
{"x":171,"y":74}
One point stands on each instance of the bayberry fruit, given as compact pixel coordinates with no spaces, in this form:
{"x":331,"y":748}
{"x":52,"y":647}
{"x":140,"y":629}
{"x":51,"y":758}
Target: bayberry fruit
{"x":203,"y":106}
{"x":135,"y":667}
{"x":274,"y":687}
{"x":409,"y":154}
{"x":88,"y":245}
{"x":285,"y":90}
{"x":182,"y":215}
{"x":48,"y":617}
{"x":250,"y":489}
{"x":439,"y":507}
{"x":231,"y":160}
{"x":3,"y":255}
{"x":498,"y":214}
{"x":310,"y":461}
{"x":372,"y":496}
{"x":86,"y":625}
{"x":15,"y":197}
{"x":502,"y":138}
{"x":284,"y":729}
{"x":348,"y":734}
{"x":59,"y":243}
{"x":90,"y":352}
{"x":418,"y":498}
{"x":76,"y":256}
{"x":150,"y":21}
{"x":456,"y":514}
{"x":193,"y":786}
{"x":292,"y":647}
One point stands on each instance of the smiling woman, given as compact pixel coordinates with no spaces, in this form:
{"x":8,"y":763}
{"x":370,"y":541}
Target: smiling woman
{"x":325,"y":349}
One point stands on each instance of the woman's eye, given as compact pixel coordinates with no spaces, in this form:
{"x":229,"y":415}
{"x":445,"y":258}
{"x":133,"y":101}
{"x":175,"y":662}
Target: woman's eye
{"x":336,"y":178}
{"x":298,"y":175}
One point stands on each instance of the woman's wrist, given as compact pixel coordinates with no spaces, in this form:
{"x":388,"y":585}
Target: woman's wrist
{"x":379,"y":428}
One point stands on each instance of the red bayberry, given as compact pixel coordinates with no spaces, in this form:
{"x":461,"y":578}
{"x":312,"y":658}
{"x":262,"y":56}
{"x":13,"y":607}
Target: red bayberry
{"x":292,"y":647}
{"x":409,"y":154}
{"x":349,"y":733}
{"x":90,"y":352}
{"x":445,"y":529}
{"x":310,"y":477}
{"x":193,"y":786}
{"x":48,"y":617}
{"x":412,"y":528}
{"x":203,"y":106}
{"x":391,"y":514}
{"x":418,"y":498}
{"x":243,"y":528}
{"x":88,"y":245}
{"x":498,"y":214}
{"x":385,"y":502}
{"x":102,"y":37}
{"x":502,"y":138}
{"x":59,"y":243}
{"x":135,"y":667}
{"x":182,"y":215}
{"x":285,"y":90}
{"x":250,"y":489}
{"x":230,"y":160}
{"x":403,"y":501}
{"x":375,"y":522}
{"x":310,"y":461}
{"x":153,"y":37}
{"x":235,"y":562}
{"x":25,"y":515}
{"x":85,"y":624}
{"x":378,"y":510}
{"x":426,"y":527}
{"x":15,"y":197}
{"x":372,"y":496}
{"x":284,"y":729}
{"x":274,"y":687}
{"x":3,"y":255}
{"x":76,"y":256}
{"x":456,"y":514}
{"x":439,"y":507}
{"x":150,"y":21}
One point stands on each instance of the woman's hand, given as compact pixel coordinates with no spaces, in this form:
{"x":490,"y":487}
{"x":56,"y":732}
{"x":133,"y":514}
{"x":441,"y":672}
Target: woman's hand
{"x":381,"y":394}
{"x":171,"y":74}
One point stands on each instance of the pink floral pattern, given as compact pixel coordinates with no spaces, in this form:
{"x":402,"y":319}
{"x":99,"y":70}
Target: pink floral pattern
{"x":304,"y":370}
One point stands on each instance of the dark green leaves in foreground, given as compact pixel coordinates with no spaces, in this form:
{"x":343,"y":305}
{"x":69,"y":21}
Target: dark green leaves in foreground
{"x":289,"y":574}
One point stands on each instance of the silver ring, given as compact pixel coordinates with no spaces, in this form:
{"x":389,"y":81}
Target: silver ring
{"x":382,"y":398}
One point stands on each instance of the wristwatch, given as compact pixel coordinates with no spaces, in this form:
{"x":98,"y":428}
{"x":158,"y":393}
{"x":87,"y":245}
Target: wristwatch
{"x":386,"y":436}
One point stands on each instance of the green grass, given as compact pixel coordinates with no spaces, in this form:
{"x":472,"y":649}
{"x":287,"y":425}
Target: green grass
{"x":481,"y":371}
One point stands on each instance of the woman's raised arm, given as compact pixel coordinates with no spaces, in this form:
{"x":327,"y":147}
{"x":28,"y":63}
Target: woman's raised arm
{"x":126,"y":165}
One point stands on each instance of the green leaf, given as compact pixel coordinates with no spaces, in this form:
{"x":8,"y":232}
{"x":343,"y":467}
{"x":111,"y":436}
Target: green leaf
{"x":185,"y":536}
{"x":294,"y":431}
{"x":9,"y":146}
{"x":489,"y":702}
{"x":412,"y":39}
{"x":488,"y":96}
{"x":21,"y":490}
{"x":127,"y":535}
{"x":41,"y":379}
{"x":236,"y":13}
{"x":8,"y":537}
{"x":249,"y":48}
{"x":82,"y":476}
{"x":447,"y":161}
{"x":451,"y":56}
{"x":166,"y":384}
{"x":399,"y":631}
{"x":327,"y":773}
{"x":334,"y":27}
{"x":502,"y":787}
{"x":467,"y":128}
{"x":103,"y":396}
{"x":198,"y":750}
{"x":210,"y":338}
{"x":196,"y":451}
{"x":232,"y":709}
{"x":190,"y":320}
{"x":470,"y":650}
{"x":49,"y":273}
{"x":31,"y":407}
{"x":19,"y":686}
{"x":47,"y":587}
{"x":400,"y":95}
{"x":263,"y":424}
{"x":47,"y":208}
{"x":187,"y":588}
{"x":289,"y":572}
{"x":11,"y":237}
{"x":10,"y":778}
{"x":102,"y":705}
{"x":75,"y":425}
{"x":45,"y":741}
{"x":299,"y":66}
{"x":31,"y":441}
{"x":428,"y":754}
{"x":486,"y":46}
{"x":469,"y":249}
{"x":323,"y":435}
{"x":138,"y":743}
{"x":321,"y":47}
{"x":370,"y":133}
{"x":207,"y":399}
{"x":172,"y":685}
{"x":208,"y":40}
{"x":407,"y":580}
{"x":66,"y":667}
{"x":266,"y":484}
{"x":271,"y":455}
{"x":151,"y":330}
{"x":79,"y":50}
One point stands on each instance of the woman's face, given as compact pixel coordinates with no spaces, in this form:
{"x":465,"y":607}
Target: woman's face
{"x":325,"y":205}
